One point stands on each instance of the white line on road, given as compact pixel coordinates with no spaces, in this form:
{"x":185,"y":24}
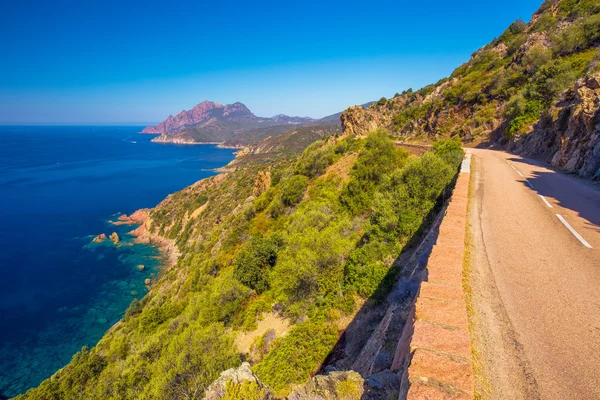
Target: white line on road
{"x":574,"y":232}
{"x":513,"y":167}
{"x":545,"y":201}
{"x":530,"y":184}
{"x":519,"y":172}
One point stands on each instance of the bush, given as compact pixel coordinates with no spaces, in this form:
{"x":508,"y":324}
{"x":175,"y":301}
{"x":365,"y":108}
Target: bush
{"x":551,"y":79}
{"x":254,"y":262}
{"x":293,"y":190}
{"x":297,"y":356}
{"x":449,"y":150}
{"x":153,"y":317}
{"x":315,"y":159}
{"x":523,"y":114}
{"x":134,"y":308}
{"x":190,"y":362}
{"x":535,"y":57}
{"x":378,"y":158}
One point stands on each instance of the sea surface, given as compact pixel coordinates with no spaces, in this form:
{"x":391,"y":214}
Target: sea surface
{"x":59,"y":187}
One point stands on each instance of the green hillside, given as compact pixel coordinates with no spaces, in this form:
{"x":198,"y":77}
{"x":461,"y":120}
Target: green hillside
{"x":532,"y":89}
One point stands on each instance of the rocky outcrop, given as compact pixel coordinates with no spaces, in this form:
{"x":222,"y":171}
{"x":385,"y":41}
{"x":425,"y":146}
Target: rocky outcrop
{"x":143,"y":234}
{"x":358,"y":121}
{"x":346,"y":385}
{"x":114,"y":237}
{"x":262,"y":183}
{"x":568,"y":135}
{"x":241,"y":383}
{"x":134,"y":219}
{"x":238,"y":380}
{"x":99,"y":239}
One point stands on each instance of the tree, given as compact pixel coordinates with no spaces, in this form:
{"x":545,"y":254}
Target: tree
{"x":293,"y":190}
{"x":252,"y":265}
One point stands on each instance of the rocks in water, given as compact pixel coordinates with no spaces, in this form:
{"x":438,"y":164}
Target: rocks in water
{"x":115,"y":238}
{"x":141,"y":267}
{"x":147,"y":281}
{"x":99,"y":239}
{"x":240,"y":381}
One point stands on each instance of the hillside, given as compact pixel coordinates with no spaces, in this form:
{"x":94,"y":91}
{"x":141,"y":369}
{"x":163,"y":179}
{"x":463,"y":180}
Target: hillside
{"x":534,"y":89}
{"x":299,"y":241}
{"x":230,"y":125}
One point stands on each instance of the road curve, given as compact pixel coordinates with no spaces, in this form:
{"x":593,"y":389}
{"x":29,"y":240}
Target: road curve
{"x":535,"y":278}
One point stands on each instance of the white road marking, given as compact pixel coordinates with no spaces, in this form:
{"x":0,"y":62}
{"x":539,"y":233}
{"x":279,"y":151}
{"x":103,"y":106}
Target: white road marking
{"x":520,"y":174}
{"x":545,"y":201}
{"x":530,"y":184}
{"x":513,"y":167}
{"x":574,"y":232}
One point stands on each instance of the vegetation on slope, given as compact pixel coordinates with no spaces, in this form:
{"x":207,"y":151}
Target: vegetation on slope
{"x":506,"y":86}
{"x":308,"y":247}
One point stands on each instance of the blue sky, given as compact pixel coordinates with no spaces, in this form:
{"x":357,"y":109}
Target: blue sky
{"x":88,"y":62}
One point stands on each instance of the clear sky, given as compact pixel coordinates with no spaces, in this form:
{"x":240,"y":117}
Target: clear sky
{"x":90,"y":61}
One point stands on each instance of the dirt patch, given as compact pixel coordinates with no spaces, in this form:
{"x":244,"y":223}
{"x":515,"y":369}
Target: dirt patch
{"x":341,"y":168}
{"x":199,"y":210}
{"x":280,"y":325}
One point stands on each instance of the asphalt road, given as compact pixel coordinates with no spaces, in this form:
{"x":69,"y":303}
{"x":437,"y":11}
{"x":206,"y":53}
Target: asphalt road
{"x":536,"y":285}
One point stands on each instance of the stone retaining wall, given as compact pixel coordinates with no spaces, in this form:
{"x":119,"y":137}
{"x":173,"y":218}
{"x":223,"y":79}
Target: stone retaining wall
{"x":434,"y":353}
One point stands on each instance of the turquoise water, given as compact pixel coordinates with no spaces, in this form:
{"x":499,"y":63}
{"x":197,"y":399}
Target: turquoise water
{"x":59,"y":187}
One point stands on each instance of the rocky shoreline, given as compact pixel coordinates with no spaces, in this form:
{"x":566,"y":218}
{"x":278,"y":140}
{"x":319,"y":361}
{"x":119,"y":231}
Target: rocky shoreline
{"x":165,"y":139}
{"x":142,"y":235}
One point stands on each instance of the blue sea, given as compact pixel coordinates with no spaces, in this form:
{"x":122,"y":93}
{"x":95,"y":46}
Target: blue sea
{"x":59,"y":187}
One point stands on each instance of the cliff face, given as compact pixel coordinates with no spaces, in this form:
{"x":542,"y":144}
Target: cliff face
{"x":568,"y":135}
{"x":533,"y":89}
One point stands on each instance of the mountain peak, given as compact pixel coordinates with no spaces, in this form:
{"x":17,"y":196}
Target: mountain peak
{"x":237,"y":108}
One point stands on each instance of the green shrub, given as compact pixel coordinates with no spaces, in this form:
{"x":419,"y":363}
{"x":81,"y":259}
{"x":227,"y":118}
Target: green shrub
{"x":293,"y":190}
{"x":153,"y":317}
{"x":315,"y":159}
{"x":244,"y":390}
{"x":190,"y":362}
{"x":254,"y":262}
{"x":551,"y":79}
{"x":523,"y":114}
{"x":449,"y":150}
{"x":134,"y":308}
{"x":378,"y":157}
{"x":222,"y":299}
{"x":296,"y":356}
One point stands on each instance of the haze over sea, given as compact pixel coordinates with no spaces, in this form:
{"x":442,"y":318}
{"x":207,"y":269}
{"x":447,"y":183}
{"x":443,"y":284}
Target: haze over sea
{"x":59,"y":186}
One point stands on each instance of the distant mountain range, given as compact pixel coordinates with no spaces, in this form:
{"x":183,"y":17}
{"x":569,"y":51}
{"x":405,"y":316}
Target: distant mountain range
{"x":210,"y":122}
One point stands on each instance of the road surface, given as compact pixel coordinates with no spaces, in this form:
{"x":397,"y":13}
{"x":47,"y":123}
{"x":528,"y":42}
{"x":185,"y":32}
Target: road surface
{"x":535,"y":277}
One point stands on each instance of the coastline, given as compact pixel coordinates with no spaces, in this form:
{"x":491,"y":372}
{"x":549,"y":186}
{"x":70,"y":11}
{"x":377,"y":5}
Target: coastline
{"x":143,"y":235}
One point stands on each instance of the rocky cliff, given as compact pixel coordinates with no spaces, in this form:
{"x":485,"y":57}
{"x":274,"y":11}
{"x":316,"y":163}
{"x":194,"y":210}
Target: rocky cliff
{"x":568,"y":135}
